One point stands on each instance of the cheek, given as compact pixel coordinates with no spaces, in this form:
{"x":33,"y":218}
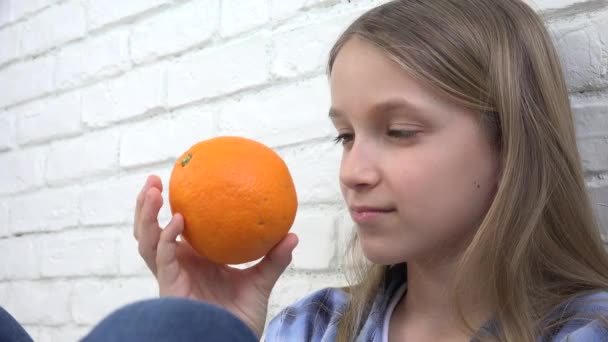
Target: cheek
{"x":340,"y":170}
{"x":446,"y":192}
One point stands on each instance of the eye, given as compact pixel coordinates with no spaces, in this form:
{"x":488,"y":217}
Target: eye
{"x":344,"y":138}
{"x":401,"y":134}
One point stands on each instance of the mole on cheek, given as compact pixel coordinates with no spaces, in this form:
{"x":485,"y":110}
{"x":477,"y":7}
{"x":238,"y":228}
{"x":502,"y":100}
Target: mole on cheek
{"x":477,"y":184}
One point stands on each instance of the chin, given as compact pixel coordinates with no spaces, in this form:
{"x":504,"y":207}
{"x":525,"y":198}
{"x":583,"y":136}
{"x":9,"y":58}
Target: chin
{"x":383,"y":256}
{"x":382,"y":251}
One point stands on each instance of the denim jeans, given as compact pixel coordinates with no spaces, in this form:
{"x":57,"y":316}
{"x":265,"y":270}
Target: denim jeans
{"x":11,"y":330}
{"x":170,"y":319}
{"x":154,"y":320}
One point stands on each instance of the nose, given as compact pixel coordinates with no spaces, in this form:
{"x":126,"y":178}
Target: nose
{"x":359,"y":168}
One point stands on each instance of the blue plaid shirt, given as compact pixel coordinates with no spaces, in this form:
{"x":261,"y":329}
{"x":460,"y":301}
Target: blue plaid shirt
{"x":315,"y":317}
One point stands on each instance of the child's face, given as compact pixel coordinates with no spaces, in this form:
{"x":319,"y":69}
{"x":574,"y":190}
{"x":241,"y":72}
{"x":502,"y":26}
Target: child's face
{"x":418,"y":172}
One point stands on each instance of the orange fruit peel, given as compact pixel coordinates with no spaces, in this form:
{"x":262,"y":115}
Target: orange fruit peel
{"x":237,"y":198}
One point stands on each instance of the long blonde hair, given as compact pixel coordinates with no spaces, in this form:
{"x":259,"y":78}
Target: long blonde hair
{"x":539,"y":243}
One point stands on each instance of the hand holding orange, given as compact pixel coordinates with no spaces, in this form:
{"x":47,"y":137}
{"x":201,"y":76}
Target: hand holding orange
{"x":236,"y":196}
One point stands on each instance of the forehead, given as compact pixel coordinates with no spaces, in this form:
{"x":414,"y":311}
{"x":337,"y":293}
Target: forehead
{"x":363,"y":75}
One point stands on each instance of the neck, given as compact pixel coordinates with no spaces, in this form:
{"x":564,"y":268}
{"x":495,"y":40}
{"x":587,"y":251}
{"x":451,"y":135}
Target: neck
{"x":429,"y":302}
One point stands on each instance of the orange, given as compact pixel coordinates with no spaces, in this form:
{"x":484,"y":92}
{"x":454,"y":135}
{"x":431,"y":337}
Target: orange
{"x":237,"y":198}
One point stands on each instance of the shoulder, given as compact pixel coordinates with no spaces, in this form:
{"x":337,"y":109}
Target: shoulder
{"x":587,"y":319}
{"x":312,"y":318}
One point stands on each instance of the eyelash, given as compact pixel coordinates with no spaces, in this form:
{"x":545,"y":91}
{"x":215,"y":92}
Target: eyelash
{"x":401,"y":135}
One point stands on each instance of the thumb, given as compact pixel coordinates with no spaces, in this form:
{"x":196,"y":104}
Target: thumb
{"x":276,"y":261}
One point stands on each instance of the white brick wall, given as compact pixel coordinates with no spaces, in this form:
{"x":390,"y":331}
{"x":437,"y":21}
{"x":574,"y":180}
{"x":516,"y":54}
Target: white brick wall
{"x":19,"y":9}
{"x":26,"y":79}
{"x":174,"y":30}
{"x":101,"y":13}
{"x":41,"y":211}
{"x":87,"y":155}
{"x":94,"y":298}
{"x":26,"y":170}
{"x":98,"y":94}
{"x":48,"y":119}
{"x":103,"y":55}
{"x":7,"y":127}
{"x":113,"y":100}
{"x":219,"y":70}
{"x":9,"y":43}
{"x":55,"y":26}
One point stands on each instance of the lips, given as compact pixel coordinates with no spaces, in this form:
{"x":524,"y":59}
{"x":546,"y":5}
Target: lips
{"x":369,"y":214}
{"x":360,"y":209}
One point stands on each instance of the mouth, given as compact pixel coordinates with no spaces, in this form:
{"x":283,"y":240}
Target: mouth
{"x":367,"y":214}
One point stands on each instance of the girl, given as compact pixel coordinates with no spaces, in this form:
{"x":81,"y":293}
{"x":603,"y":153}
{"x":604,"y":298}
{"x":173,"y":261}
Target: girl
{"x":461,"y":171}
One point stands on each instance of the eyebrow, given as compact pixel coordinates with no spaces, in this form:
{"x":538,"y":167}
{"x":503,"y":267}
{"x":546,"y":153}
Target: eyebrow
{"x":382,"y":107}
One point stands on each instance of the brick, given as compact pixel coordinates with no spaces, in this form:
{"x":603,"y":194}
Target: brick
{"x":599,"y":199}
{"x":40,"y":302}
{"x":47,"y":119}
{"x":62,"y":333}
{"x":42,"y":211}
{"x":101,"y":12}
{"x":5,"y":290}
{"x":239,"y":16}
{"x":5,"y":12}
{"x":25,"y":266}
{"x":8,"y":127}
{"x":26,"y":170}
{"x":115,"y":100}
{"x":317,"y":235}
{"x":28,"y":79}
{"x":593,"y":153}
{"x":88,"y":155}
{"x":21,"y":8}
{"x":95,"y":299}
{"x":129,"y":261}
{"x":92,"y":59}
{"x":9,"y":40}
{"x":4,"y":219}
{"x":306,"y":49}
{"x":52,"y":27}
{"x":601,"y":26}
{"x":283,"y":9}
{"x":292,"y":287}
{"x":218,"y":71}
{"x":590,"y":116}
{"x":174,"y":30}
{"x":165,"y":138}
{"x":271,"y":117}
{"x":113,"y":201}
{"x":315,"y":171}
{"x":539,"y":5}
{"x":579,"y":46}
{"x":78,"y":253}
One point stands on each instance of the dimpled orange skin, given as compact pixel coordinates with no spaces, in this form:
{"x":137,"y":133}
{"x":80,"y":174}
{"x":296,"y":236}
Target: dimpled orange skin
{"x":237,"y":198}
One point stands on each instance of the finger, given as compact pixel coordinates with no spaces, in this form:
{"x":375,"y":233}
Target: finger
{"x":151,"y":181}
{"x":139,"y":203}
{"x":149,"y":231}
{"x":166,"y":257}
{"x":276,"y":261}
